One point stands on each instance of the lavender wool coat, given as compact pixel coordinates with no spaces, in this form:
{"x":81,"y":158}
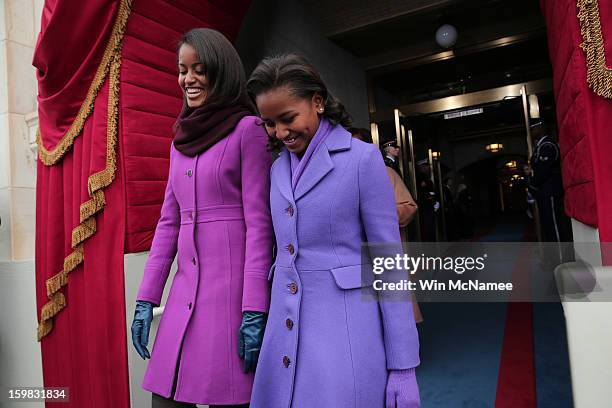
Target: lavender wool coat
{"x":325,"y":345}
{"x":217,"y":216}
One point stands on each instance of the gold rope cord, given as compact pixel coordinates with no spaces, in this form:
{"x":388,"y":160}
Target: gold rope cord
{"x":95,"y":183}
{"x":599,"y":76}
{"x":52,"y":156}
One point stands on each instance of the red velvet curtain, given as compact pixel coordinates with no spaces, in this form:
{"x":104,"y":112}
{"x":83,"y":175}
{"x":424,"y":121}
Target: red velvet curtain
{"x":86,"y":350}
{"x":583,"y":115}
{"x":83,"y":328}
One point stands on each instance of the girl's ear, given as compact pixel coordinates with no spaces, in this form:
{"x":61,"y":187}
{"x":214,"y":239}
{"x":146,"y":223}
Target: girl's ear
{"x":318,"y":101}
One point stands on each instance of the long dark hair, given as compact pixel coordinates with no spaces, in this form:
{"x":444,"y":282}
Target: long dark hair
{"x":222,"y":67}
{"x":297,"y":74}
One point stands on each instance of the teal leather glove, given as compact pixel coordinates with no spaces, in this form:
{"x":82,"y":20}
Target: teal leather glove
{"x":141,"y":325}
{"x":250,"y":338}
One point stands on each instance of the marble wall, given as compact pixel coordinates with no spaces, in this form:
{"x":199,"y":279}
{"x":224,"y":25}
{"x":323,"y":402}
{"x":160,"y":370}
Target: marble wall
{"x":19,"y":25}
{"x":19,"y":351}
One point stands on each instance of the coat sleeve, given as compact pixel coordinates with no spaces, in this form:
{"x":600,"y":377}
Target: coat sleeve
{"x":406,"y":207}
{"x":163,"y":249}
{"x":256,"y":162}
{"x":379,"y":217}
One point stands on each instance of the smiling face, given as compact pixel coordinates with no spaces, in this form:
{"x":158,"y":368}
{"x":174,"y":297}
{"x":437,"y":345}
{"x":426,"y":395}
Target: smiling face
{"x":290,"y":119}
{"x":192,"y":78}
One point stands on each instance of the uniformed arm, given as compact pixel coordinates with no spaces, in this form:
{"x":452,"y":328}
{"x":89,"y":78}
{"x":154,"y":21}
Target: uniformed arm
{"x":163,"y":249}
{"x":379,"y":218}
{"x":546,"y":161}
{"x":406,"y":207}
{"x":255,"y":169}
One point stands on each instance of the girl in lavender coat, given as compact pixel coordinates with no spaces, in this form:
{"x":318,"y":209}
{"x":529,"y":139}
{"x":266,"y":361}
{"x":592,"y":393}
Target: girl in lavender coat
{"x":217,"y":217}
{"x":330,"y":340}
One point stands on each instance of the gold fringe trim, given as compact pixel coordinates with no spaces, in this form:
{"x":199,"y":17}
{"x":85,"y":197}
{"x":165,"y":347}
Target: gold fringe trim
{"x":91,"y":207}
{"x":74,"y":259}
{"x":83,"y":231}
{"x":599,"y":76}
{"x":44,"y":328}
{"x":57,"y":303}
{"x":95,"y":183}
{"x":51,"y":156}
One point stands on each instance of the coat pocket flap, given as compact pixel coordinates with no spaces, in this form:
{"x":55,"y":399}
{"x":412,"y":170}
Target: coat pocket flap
{"x":350,"y":277}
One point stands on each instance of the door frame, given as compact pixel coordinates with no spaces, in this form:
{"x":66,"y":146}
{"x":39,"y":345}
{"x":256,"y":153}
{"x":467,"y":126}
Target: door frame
{"x":404,"y":136}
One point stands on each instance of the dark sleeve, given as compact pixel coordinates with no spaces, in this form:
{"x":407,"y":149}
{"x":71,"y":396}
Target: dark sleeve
{"x":547,"y":159}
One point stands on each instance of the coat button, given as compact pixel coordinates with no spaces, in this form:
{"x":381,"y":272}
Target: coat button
{"x":289,"y":210}
{"x":286,"y":361}
{"x":189,"y":306}
{"x":193,"y":261}
{"x":293,"y":288}
{"x":290,"y":249}
{"x":289,"y":324}
{"x":189,"y":173}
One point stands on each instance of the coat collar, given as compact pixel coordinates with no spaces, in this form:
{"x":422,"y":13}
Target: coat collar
{"x":320,"y":165}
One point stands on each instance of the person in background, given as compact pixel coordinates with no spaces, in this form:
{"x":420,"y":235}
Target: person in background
{"x":546,"y":185}
{"x":216,"y":220}
{"x":331,"y":339}
{"x":449,"y":208}
{"x":529,"y":199}
{"x":427,"y":201}
{"x":391,"y":153}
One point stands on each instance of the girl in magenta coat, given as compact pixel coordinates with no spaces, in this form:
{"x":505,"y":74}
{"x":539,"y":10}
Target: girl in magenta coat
{"x":330,"y":341}
{"x":216,"y":217}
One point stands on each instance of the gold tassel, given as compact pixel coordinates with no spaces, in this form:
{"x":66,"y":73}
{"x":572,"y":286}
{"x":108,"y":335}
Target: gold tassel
{"x":599,"y":76}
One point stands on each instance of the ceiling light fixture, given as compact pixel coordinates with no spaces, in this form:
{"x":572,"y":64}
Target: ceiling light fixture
{"x":494,"y":147}
{"x":446,"y":36}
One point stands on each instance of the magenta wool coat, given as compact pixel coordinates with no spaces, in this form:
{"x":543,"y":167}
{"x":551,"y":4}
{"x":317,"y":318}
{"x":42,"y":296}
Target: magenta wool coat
{"x":330,"y":340}
{"x":216,"y":215}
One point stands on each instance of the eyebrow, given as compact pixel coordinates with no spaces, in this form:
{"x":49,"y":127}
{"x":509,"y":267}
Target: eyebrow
{"x":281,"y":115}
{"x":193,"y":65}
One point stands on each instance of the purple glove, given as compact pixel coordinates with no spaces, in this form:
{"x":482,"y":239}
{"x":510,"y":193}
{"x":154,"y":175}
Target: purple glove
{"x":402,"y":389}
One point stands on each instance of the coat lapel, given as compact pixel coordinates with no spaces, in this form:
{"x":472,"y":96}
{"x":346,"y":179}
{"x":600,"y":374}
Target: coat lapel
{"x":283,"y":176}
{"x":321,"y":162}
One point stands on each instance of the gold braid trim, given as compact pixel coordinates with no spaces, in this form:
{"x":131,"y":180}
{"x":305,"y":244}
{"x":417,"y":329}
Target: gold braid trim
{"x":95,"y":186}
{"x":57,"y":303}
{"x":52,"y":156}
{"x":91,"y":207}
{"x":83,"y":231}
{"x":599,"y":76}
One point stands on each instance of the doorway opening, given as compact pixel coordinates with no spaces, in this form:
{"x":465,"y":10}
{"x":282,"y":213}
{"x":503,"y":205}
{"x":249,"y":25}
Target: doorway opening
{"x":465,"y":160}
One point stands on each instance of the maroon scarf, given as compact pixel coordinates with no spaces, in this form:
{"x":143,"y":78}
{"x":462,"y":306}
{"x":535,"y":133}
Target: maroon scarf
{"x":200,"y":128}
